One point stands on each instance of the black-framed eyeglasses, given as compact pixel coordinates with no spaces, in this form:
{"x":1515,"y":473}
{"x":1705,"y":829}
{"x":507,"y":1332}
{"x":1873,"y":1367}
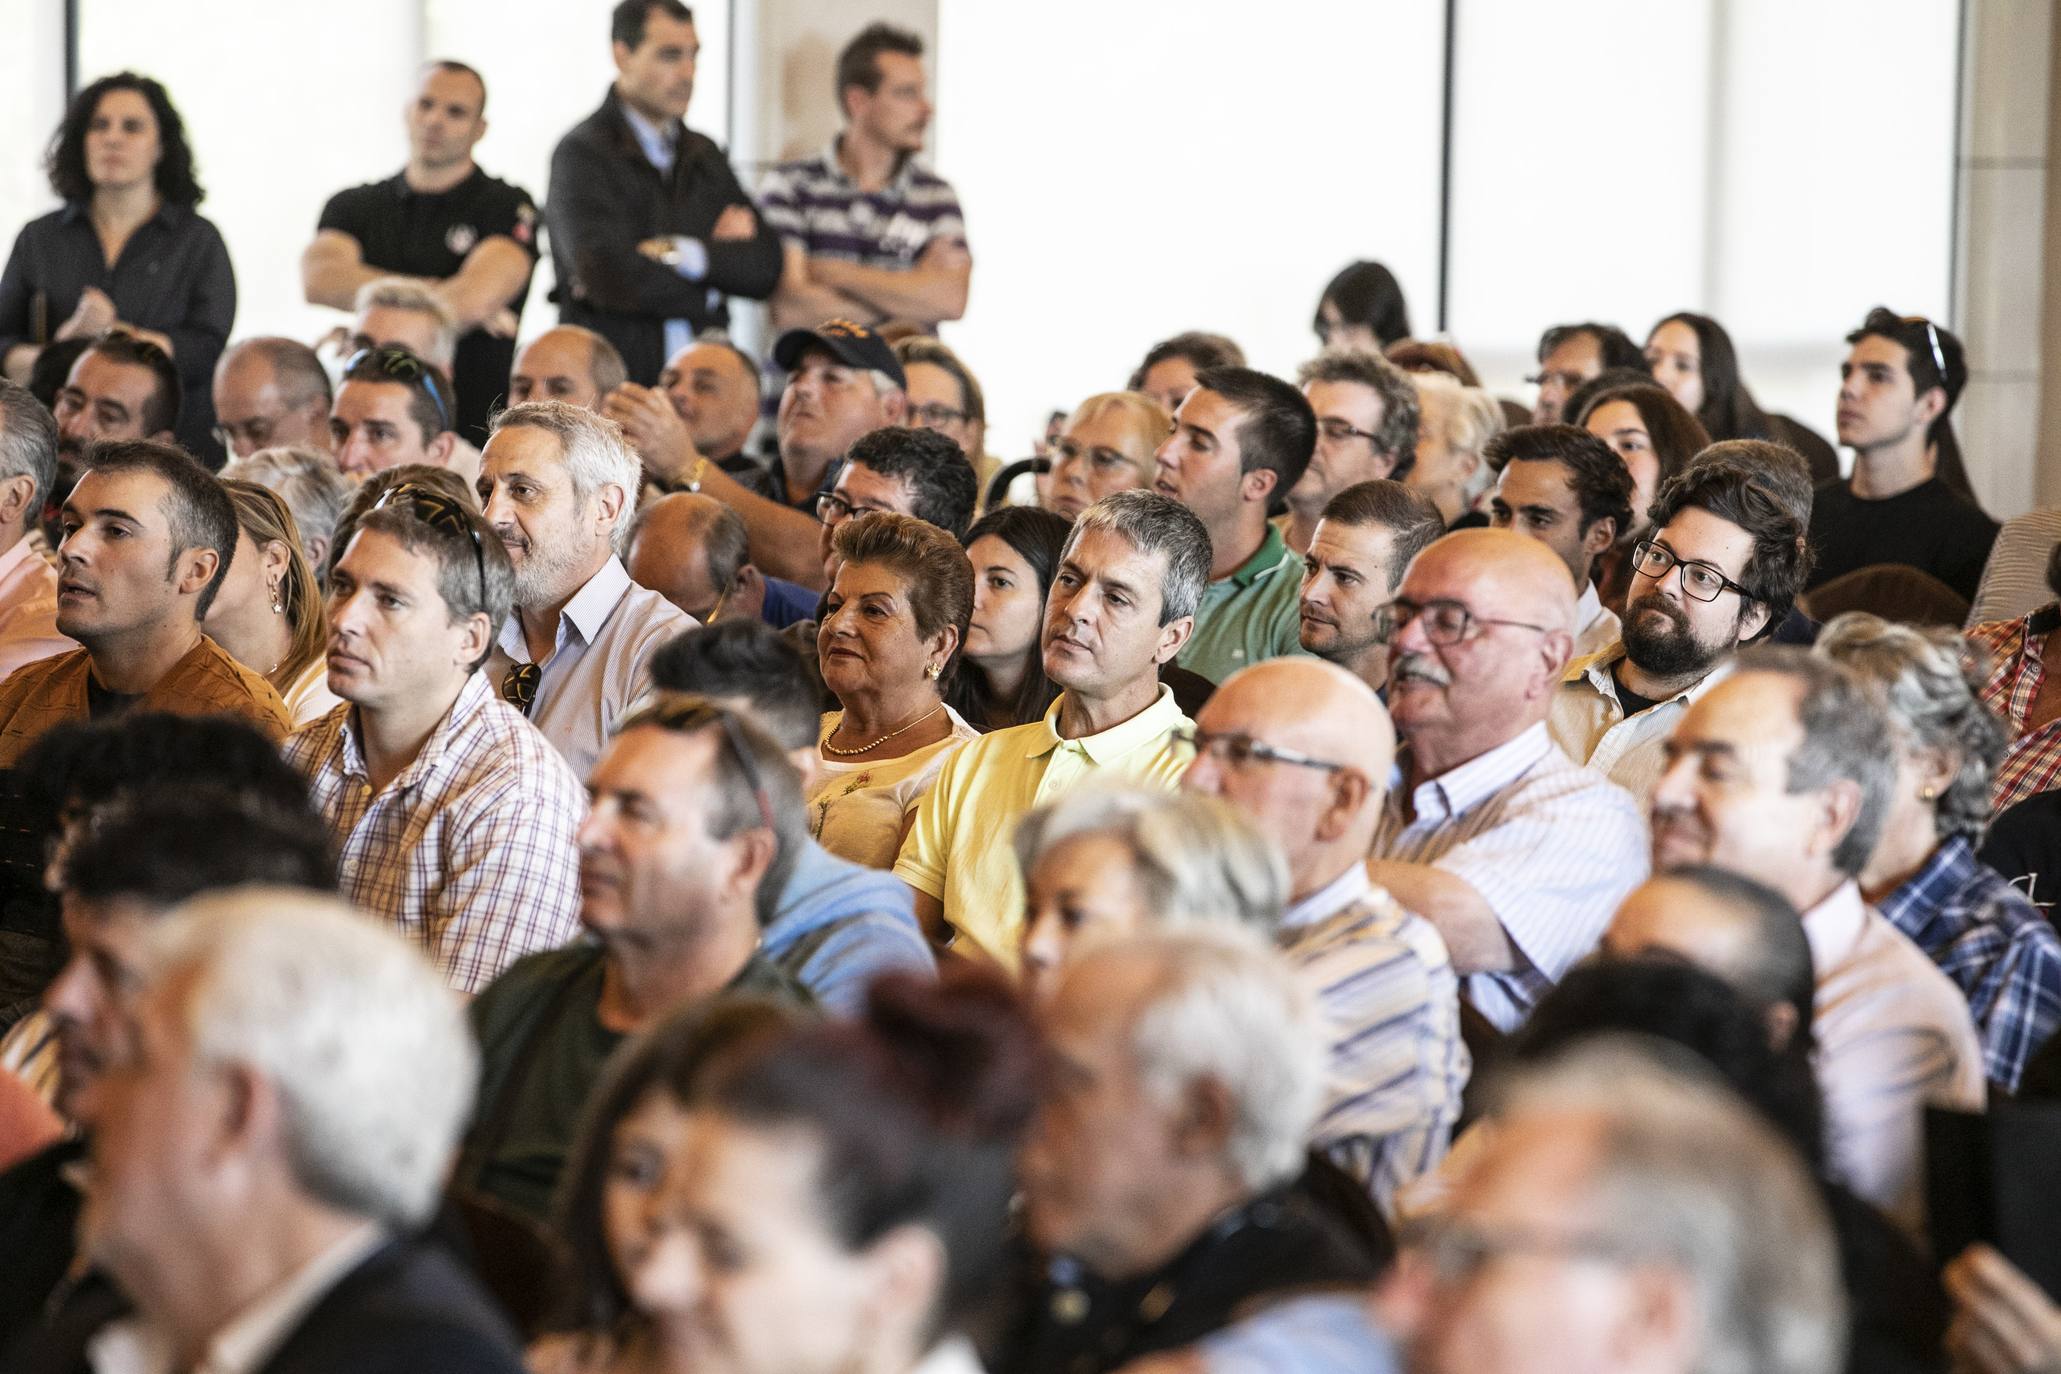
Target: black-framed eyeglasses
{"x":1445,"y":622}
{"x":403,"y":365}
{"x":685,"y":713}
{"x":938,"y":413}
{"x":1457,"y":1251}
{"x":1700,"y":580}
{"x":1338,"y":431}
{"x":440,"y":512}
{"x":1240,"y":750}
{"x":833,"y":509}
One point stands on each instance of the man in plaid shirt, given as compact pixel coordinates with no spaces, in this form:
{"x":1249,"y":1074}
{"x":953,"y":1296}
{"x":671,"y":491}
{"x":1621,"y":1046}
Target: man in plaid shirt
{"x":453,"y":817}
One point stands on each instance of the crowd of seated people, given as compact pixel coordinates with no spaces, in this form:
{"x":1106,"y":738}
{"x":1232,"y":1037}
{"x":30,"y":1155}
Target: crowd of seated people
{"x":588,"y":850}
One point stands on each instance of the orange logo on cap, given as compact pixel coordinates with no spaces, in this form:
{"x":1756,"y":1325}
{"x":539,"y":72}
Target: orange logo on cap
{"x":844,"y":329}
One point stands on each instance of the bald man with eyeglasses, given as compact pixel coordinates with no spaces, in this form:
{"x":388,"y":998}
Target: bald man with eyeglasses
{"x":1515,"y":853}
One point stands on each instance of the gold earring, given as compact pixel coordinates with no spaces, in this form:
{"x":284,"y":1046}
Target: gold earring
{"x":278,"y":606}
{"x":933,"y":671}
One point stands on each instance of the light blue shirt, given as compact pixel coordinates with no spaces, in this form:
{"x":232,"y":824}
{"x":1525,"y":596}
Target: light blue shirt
{"x":658,"y":146}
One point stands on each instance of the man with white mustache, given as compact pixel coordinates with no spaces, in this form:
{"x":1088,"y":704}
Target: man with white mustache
{"x":1514,"y":852}
{"x":558,"y":484}
{"x":1719,"y":568}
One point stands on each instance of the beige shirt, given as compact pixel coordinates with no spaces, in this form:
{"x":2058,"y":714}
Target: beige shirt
{"x":1894,"y":1036}
{"x":28,"y":608}
{"x":861,"y":810}
{"x":1587,"y":722}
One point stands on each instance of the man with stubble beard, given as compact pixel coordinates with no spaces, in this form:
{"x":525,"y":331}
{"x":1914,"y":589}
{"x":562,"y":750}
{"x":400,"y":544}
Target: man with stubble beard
{"x":1723,"y":564}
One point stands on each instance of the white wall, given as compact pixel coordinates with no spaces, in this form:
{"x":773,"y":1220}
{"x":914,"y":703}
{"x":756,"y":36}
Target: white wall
{"x":1132,"y":170}
{"x":32,"y":72}
{"x":1783,"y":166}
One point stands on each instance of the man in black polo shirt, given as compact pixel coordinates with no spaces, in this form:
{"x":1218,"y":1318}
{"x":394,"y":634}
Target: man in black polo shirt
{"x":470,"y":237}
{"x":650,"y":228}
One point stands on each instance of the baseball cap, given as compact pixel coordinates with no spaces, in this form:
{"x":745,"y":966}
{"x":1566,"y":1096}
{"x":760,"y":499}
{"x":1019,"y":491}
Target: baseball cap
{"x":852,"y":344}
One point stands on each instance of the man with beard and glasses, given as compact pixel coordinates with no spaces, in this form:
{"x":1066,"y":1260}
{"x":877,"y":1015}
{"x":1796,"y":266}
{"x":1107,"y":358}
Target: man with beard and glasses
{"x":1721,"y":566}
{"x":558,"y":484}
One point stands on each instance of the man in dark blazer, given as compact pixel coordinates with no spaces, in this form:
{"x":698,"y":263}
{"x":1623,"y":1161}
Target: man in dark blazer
{"x":282,"y":1086}
{"x":650,"y":228}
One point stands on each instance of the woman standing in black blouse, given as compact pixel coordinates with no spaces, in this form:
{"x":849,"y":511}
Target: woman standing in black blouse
{"x":126,"y":250}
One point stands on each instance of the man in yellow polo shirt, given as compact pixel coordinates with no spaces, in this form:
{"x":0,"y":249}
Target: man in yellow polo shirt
{"x":1122,"y":603}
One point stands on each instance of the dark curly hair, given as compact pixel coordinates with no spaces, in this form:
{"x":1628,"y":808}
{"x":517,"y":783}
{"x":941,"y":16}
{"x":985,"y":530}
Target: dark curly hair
{"x":177,"y":181}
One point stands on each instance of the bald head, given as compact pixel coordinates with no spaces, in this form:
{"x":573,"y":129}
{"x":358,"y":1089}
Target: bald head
{"x":566,"y":363}
{"x":688,"y":548}
{"x":1485,"y":626}
{"x":1322,"y":813}
{"x":271,"y":393}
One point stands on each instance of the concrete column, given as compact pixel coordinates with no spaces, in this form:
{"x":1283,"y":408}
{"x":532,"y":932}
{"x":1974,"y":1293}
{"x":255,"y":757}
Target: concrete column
{"x":2005,"y":299}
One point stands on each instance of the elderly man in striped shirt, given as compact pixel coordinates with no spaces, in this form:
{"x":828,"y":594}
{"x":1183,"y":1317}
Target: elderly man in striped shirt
{"x":1514,"y":852}
{"x":1304,"y":749}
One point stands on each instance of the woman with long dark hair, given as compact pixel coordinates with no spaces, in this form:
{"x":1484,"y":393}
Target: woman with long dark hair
{"x":1656,"y":437}
{"x":127,"y":250}
{"x":1692,"y":356}
{"x":1002,"y":682}
{"x":1362,"y":308}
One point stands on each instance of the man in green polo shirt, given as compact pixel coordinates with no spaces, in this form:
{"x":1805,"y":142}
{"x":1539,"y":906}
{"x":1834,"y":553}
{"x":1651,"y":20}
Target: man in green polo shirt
{"x":1240,"y":439}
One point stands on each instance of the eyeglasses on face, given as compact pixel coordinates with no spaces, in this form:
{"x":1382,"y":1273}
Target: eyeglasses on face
{"x":1456,"y":1251}
{"x":440,"y":512}
{"x":935,"y":413}
{"x":1445,"y":622}
{"x":1699,"y":580}
{"x":402,"y":365}
{"x":1337,"y":431}
{"x":1240,"y":751}
{"x":833,"y":509}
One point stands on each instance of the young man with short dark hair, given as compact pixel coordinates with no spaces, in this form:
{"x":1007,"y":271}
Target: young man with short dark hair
{"x":1570,"y":354}
{"x":650,"y":229}
{"x":1366,"y":412}
{"x":1897,"y":388}
{"x":453,"y":815}
{"x":1564,"y":487}
{"x":1240,"y":439}
{"x":867,"y":232}
{"x":148,"y":538}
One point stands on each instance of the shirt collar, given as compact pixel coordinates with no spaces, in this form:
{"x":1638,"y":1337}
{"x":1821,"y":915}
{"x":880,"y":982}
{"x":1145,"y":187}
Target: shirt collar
{"x":168,"y":213}
{"x":587,"y":612}
{"x":904,"y":171}
{"x":1599,"y":670}
{"x":1460,"y":788}
{"x":1334,"y":897}
{"x":658,"y":142}
{"x":24,"y":548}
{"x":1947,"y":869}
{"x":1158,"y":718}
{"x":472,"y":699}
{"x":136,"y":1345}
{"x":1833,"y":927}
{"x":1271,"y":551}
{"x":1587,"y":607}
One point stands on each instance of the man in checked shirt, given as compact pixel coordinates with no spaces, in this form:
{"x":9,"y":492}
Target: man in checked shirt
{"x":453,"y":816}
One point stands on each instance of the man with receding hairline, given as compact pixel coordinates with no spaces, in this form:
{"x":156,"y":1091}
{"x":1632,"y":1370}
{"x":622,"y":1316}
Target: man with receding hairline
{"x":1357,"y":555}
{"x":566,"y":363}
{"x":271,"y":393}
{"x":1516,"y":854}
{"x":1304,"y":750}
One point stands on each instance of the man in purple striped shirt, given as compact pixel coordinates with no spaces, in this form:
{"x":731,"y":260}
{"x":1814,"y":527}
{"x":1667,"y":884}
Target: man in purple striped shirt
{"x":868,"y":234}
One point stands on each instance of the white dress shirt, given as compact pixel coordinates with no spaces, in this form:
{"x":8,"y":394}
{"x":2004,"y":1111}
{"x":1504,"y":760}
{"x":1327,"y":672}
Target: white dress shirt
{"x":600,"y":665}
{"x":1893,"y":1036}
{"x":1551,"y":846}
{"x":1595,"y":625}
{"x":135,"y":1345}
